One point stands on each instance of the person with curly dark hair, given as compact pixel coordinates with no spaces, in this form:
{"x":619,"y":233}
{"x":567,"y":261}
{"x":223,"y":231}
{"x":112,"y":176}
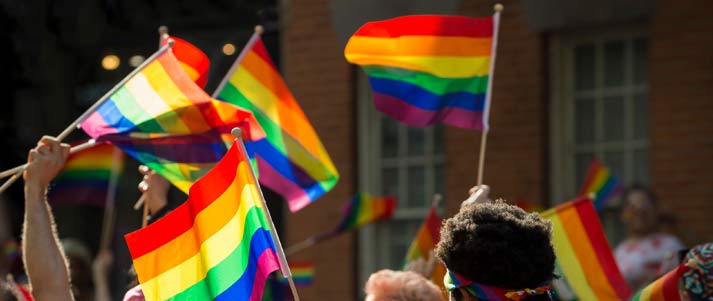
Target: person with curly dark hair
{"x":495,"y":251}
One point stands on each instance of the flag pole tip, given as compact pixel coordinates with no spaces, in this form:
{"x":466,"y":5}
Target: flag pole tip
{"x":498,"y":7}
{"x":237,"y":133}
{"x":163,"y":29}
{"x":259,"y":29}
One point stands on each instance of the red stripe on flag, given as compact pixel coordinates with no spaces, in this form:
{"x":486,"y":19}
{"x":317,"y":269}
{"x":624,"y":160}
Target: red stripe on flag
{"x":670,"y":285}
{"x":592,"y":172}
{"x":429,"y":25}
{"x":590,"y":221}
{"x":201,"y":195}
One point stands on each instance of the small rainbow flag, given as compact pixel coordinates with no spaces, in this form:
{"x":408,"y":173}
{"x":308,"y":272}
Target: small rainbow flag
{"x":600,"y":182}
{"x":215,"y":246}
{"x":364,"y":209}
{"x":583,"y":254}
{"x":84,"y":180}
{"x":291,"y":161}
{"x":194,"y":62}
{"x":302,"y":273}
{"x":163,"y":119}
{"x":427,"y":69}
{"x":663,"y":289}
{"x":428,"y":236}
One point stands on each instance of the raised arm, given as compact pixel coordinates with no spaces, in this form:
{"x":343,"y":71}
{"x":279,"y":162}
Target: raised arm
{"x":43,"y":257}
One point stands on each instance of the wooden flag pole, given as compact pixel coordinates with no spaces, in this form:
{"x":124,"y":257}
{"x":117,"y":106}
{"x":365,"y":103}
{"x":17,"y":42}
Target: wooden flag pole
{"x":76,"y":124}
{"x":258,"y":32}
{"x":437,"y":198}
{"x":162,"y":34}
{"x":481,"y":159}
{"x":109,"y":207}
{"x":291,"y":250}
{"x":145,"y":215}
{"x":21,"y":168}
{"x":284,"y":267}
{"x":486,"y":111}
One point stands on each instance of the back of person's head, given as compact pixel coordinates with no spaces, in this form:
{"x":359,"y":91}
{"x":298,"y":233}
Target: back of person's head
{"x":496,"y":245}
{"x":388,"y":285}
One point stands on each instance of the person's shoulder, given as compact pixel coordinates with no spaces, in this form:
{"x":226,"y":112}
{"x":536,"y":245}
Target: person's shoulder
{"x":666,"y":241}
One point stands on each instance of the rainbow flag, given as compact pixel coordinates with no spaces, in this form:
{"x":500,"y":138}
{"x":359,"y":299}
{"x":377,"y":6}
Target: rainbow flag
{"x":364,"y":209}
{"x":584,"y":257}
{"x":215,"y":246}
{"x":600,"y":182}
{"x":292,"y":160}
{"x":302,"y":273}
{"x":428,"y":69}
{"x":428,"y":236}
{"x":84,"y":180}
{"x":163,"y":119}
{"x":663,"y":289}
{"x":193,"y":61}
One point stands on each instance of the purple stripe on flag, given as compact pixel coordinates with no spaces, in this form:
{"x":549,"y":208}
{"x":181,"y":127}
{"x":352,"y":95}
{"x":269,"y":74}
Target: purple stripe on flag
{"x":403,"y":111}
{"x":295,"y":196}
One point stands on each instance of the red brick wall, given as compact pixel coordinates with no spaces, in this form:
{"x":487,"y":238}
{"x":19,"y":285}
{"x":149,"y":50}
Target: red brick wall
{"x":681,"y":113}
{"x":321,"y":81}
{"x":515,"y":163}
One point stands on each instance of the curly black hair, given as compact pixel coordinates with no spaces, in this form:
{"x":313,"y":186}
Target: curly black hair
{"x":498,"y":244}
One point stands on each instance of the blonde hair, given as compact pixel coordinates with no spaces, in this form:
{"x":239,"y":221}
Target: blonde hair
{"x":401,"y":286}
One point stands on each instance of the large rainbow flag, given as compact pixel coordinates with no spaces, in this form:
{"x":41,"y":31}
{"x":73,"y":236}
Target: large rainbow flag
{"x":84,"y":180}
{"x":428,"y":69}
{"x":163,"y":119}
{"x":584,"y":258}
{"x":292,"y":160}
{"x":215,"y":246}
{"x":194,"y":61}
{"x":665,"y":288}
{"x":428,"y":236}
{"x":601,"y":183}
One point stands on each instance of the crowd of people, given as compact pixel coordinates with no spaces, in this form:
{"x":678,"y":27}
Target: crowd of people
{"x":491,"y":250}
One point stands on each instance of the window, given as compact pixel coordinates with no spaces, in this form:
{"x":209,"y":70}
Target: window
{"x":397,"y":160}
{"x":599,"y":109}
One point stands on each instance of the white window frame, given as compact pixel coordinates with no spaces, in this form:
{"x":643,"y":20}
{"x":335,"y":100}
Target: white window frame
{"x":369,"y":176}
{"x":563,"y":184}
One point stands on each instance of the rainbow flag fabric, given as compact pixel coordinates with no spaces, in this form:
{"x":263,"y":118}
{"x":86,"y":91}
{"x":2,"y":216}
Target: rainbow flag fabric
{"x":163,"y":119}
{"x":302,"y":273}
{"x":364,"y":209}
{"x":428,"y":236}
{"x":584,"y":258}
{"x":215,"y":246}
{"x":601,"y":183}
{"x":84,"y":180}
{"x":292,"y":160}
{"x":193,"y":61}
{"x":665,"y":288}
{"x":428,"y":69}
